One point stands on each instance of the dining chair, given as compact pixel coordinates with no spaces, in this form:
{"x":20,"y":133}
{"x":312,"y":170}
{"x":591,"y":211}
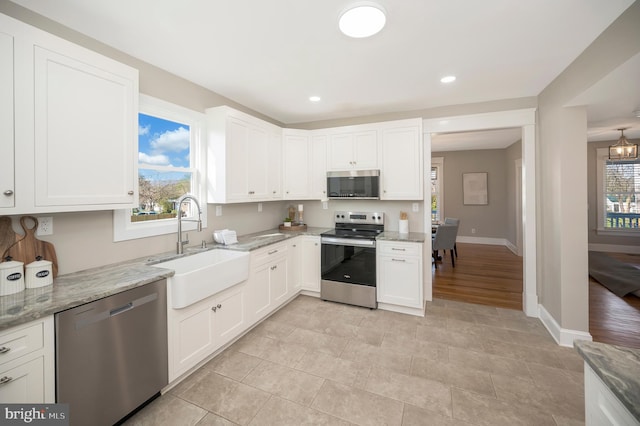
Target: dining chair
{"x":444,"y":239}
{"x":456,"y":222}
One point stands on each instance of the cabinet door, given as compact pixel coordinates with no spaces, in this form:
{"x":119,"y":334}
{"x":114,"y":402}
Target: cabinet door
{"x":274,"y":178}
{"x":340,"y":155}
{"x":401,"y":164}
{"x":85,"y":129}
{"x":258,"y":292}
{"x":257,"y":159}
{"x":228,"y":315}
{"x":297,"y":184}
{"x":237,"y":168}
{"x":23,"y":383}
{"x":278,"y":282}
{"x":294,"y":269}
{"x":400,"y":281}
{"x":319,"y":167}
{"x":365,"y":150}
{"x":192,"y":337}
{"x":7,"y":187}
{"x":310,"y":263}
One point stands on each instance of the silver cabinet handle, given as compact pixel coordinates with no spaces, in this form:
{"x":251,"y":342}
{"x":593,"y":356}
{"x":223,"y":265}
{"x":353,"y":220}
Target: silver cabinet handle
{"x":398,"y":249}
{"x":252,"y":192}
{"x":215,"y":308}
{"x":4,"y":350}
{"x":130,"y":192}
{"x":272,"y":252}
{"x":274,"y":192}
{"x":274,"y":267}
{"x":5,"y":379}
{"x":398,"y":260}
{"x":8,"y":192}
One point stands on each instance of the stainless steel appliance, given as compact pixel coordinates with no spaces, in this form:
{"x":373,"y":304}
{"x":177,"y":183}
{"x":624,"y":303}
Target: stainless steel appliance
{"x":349,"y":258}
{"x":354,"y":184}
{"x":111,"y":354}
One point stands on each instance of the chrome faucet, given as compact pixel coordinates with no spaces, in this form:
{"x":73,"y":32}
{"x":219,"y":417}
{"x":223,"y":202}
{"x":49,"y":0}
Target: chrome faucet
{"x":180,"y":243}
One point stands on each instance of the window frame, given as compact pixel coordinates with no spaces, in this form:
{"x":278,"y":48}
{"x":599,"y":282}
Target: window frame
{"x":123,"y":228}
{"x":602,"y":155}
{"x":438,"y":163}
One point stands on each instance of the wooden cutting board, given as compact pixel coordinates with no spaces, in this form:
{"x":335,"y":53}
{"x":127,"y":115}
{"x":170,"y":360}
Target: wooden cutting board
{"x":28,"y":248}
{"x":7,"y":236}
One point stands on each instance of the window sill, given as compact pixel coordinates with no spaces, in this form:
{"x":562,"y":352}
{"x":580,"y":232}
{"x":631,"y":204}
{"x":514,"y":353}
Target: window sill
{"x":619,"y":232}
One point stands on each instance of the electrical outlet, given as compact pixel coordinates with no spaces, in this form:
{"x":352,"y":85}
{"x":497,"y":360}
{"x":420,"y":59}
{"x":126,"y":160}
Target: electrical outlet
{"x":416,"y":207}
{"x":259,"y":207}
{"x":218,"y":210}
{"x":45,"y":226}
{"x":473,"y":230}
{"x":325,"y":205}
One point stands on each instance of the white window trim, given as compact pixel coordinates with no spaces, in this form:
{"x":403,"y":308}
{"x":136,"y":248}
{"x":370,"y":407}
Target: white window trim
{"x":439,"y":163}
{"x":123,"y":228}
{"x":602,"y":155}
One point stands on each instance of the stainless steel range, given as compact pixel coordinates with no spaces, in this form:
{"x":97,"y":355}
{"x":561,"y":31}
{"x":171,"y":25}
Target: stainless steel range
{"x":349,"y":259}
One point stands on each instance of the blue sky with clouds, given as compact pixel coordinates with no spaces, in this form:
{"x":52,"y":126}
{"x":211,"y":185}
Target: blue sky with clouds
{"x":162,"y":142}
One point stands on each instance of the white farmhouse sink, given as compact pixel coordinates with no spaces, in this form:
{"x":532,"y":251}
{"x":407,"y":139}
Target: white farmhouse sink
{"x":204,"y":274}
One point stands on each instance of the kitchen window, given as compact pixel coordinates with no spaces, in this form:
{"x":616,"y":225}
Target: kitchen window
{"x":618,"y":189}
{"x":170,"y":164}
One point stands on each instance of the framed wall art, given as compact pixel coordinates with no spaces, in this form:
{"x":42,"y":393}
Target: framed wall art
{"x":474,"y":189}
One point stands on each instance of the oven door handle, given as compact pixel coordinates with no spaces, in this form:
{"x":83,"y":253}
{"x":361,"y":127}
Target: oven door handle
{"x":348,"y":242}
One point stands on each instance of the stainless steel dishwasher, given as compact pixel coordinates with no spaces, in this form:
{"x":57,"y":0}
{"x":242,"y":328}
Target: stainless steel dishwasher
{"x":111,"y":354}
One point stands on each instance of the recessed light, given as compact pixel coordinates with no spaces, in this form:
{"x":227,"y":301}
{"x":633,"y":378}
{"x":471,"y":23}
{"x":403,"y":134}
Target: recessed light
{"x":362,"y":19}
{"x":314,"y":98}
{"x":448,"y":79}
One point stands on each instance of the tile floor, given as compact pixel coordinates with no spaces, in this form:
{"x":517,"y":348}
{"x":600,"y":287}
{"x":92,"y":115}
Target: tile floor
{"x":322,"y":363}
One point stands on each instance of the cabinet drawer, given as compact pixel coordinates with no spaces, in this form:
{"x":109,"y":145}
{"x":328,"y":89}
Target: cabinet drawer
{"x":269,"y":253}
{"x":15,"y":343}
{"x":400,"y":249}
{"x":23,"y":383}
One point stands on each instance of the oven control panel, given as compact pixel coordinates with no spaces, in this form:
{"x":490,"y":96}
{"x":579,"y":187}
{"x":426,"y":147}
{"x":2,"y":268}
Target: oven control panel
{"x":376,"y":218}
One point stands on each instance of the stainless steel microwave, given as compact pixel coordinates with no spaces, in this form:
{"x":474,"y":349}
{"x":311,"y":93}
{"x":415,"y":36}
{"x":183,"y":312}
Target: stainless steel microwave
{"x":354,"y":184}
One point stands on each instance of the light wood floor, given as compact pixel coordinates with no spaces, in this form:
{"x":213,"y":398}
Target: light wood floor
{"x":492,"y":275}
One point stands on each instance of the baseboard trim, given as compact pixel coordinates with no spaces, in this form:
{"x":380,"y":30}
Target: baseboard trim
{"x":614,"y":248}
{"x":482,"y":240}
{"x":562,"y":336}
{"x":401,"y":309}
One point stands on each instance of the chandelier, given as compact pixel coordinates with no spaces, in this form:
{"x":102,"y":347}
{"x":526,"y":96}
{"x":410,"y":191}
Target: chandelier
{"x":623,"y":150}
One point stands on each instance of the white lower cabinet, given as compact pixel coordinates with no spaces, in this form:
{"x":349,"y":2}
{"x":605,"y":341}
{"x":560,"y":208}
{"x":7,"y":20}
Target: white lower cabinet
{"x":310,"y":263}
{"x":293,"y":267}
{"x":400,"y":276}
{"x":602,"y":407}
{"x":267,"y":286}
{"x":27,"y":366}
{"x":196,"y":331}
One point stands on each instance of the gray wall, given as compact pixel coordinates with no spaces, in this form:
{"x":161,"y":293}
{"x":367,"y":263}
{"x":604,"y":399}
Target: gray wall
{"x":562,"y":172}
{"x":593,"y":237}
{"x":498,"y":218}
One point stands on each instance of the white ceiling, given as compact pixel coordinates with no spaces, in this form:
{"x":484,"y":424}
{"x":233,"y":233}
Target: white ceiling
{"x":488,"y":139}
{"x":271,"y":55}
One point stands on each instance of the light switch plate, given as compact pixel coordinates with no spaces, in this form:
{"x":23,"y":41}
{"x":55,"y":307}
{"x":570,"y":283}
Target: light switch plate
{"x":259,"y":207}
{"x":218,"y":210}
{"x":416,"y":207}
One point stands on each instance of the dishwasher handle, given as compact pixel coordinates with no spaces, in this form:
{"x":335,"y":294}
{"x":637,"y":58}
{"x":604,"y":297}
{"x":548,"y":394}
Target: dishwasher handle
{"x":121,"y":309}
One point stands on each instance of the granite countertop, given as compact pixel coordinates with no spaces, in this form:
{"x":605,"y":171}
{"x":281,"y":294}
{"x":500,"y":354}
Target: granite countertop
{"x":619,"y":369}
{"x":75,"y":289}
{"x":412,"y":237}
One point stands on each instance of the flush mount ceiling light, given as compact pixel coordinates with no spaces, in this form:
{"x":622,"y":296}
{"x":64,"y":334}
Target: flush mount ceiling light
{"x":314,"y":98}
{"x":623,"y":150}
{"x":362,"y":19}
{"x":448,"y":79}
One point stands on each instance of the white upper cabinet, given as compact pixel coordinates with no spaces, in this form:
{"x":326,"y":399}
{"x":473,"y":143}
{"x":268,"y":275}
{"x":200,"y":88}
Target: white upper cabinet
{"x":319,"y":166}
{"x":243,"y":157}
{"x":401,"y":168}
{"x":7,"y":187}
{"x":74,"y":119}
{"x":353,"y":149}
{"x":296,"y":157}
